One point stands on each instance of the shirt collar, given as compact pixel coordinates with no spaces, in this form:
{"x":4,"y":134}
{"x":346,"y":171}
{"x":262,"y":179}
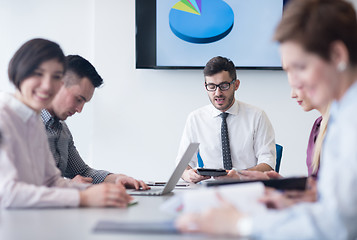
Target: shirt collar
{"x":48,"y":119}
{"x":21,"y":110}
{"x":232,"y":110}
{"x":345,"y":101}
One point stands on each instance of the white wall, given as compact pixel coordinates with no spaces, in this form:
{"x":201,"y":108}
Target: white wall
{"x":133,"y":124}
{"x":69,"y":23}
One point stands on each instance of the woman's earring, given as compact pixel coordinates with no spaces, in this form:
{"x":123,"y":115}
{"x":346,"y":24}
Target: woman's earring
{"x":341,"y":66}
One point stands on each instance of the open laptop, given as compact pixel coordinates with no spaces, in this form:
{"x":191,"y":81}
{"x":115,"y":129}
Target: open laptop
{"x":175,"y":176}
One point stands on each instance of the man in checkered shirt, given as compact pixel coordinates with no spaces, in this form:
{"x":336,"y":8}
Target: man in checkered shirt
{"x":80,"y":80}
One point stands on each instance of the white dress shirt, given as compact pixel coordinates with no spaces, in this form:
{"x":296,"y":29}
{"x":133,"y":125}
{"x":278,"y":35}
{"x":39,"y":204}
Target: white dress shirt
{"x":334,"y":215}
{"x":29,"y":177}
{"x":251,"y":136}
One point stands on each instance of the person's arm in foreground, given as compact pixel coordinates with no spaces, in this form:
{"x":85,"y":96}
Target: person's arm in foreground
{"x":55,"y":191}
{"x":98,"y":195}
{"x":104,"y":195}
{"x":214,"y":221}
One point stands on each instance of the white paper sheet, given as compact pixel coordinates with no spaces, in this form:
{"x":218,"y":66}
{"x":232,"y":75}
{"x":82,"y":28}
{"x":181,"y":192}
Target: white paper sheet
{"x":244,"y":197}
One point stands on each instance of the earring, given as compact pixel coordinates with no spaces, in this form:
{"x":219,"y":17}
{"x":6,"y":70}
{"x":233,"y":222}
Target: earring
{"x":341,"y":66}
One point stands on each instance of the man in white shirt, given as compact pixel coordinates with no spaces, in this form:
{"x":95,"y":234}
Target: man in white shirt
{"x":251,"y":140}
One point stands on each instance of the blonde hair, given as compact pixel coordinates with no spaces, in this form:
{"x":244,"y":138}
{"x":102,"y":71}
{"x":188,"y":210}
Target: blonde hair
{"x":319,"y":141}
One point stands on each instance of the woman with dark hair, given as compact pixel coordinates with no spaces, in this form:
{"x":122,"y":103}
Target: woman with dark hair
{"x":319,"y":51}
{"x":29,"y":177}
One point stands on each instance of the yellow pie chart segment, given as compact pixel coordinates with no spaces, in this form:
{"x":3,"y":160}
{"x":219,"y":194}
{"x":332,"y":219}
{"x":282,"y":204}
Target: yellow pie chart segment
{"x":183,"y":7}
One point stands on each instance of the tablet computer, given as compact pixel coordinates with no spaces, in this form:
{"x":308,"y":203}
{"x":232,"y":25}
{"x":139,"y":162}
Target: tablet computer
{"x":211,"y":172}
{"x":289,"y":183}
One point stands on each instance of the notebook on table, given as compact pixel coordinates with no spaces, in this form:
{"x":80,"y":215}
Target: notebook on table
{"x":148,"y":227}
{"x":175,"y":176}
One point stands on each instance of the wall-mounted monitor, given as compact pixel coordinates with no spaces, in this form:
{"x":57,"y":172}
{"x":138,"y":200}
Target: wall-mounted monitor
{"x":187,"y":33}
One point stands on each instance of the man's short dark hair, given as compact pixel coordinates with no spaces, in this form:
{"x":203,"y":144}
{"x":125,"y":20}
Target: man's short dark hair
{"x":30,"y":56}
{"x":82,"y":68}
{"x":219,"y":64}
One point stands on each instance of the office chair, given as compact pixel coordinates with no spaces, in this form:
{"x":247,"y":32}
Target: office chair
{"x":279,"y":154}
{"x":199,"y":160}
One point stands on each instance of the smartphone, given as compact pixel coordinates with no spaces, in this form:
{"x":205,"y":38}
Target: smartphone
{"x":211,"y":172}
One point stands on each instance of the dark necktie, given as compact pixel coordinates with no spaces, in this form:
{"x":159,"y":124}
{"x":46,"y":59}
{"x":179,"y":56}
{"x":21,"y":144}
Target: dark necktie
{"x":226,"y":150}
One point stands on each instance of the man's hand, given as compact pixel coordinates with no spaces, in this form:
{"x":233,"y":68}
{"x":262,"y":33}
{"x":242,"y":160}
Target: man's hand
{"x":126,"y":181}
{"x":215,"y":221}
{"x":80,"y":179}
{"x":232,"y":174}
{"x":191,"y":175}
{"x":253,"y":175}
{"x":105,"y":195}
{"x":258,"y":175}
{"x":130,"y":182}
{"x":273,"y":175}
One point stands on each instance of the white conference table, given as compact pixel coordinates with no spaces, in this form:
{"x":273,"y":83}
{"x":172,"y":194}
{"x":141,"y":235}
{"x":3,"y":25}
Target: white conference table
{"x":78,"y":223}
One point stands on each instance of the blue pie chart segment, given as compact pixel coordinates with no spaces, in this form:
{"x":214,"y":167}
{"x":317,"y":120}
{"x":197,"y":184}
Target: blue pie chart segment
{"x":214,"y":22}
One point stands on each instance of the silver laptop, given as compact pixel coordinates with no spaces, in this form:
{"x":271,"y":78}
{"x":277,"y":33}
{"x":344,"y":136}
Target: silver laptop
{"x":170,"y":185}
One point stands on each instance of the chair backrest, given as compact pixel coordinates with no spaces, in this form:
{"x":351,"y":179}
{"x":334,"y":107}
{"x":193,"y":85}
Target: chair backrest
{"x":199,"y":160}
{"x":279,"y":154}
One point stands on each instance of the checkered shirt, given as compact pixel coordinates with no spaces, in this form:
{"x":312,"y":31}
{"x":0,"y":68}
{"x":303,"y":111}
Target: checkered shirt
{"x":65,"y":153}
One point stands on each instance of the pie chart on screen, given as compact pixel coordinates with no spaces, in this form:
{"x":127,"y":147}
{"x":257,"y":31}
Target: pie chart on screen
{"x":201,"y":21}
